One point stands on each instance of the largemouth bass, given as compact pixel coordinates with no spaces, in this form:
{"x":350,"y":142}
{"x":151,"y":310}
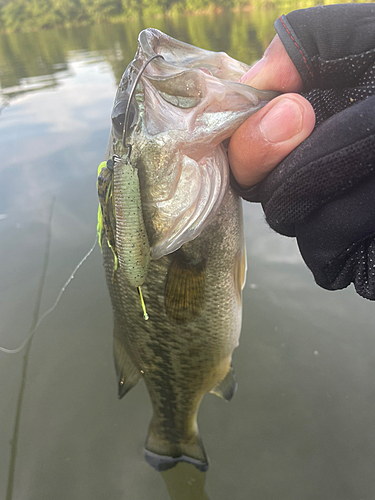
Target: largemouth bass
{"x":171,"y":232}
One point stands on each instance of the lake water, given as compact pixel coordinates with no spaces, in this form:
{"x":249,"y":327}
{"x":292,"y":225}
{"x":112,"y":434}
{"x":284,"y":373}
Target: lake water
{"x":301,"y":426}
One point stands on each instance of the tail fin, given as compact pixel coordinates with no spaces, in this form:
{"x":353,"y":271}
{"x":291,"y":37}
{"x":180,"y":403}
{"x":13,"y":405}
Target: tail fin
{"x":163,"y":454}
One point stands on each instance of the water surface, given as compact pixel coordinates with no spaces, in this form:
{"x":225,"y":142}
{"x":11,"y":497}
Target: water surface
{"x":301,"y":424}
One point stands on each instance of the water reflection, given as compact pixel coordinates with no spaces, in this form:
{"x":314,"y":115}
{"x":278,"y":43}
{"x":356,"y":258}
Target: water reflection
{"x":185,"y":482}
{"x":70,"y":76}
{"x":33,"y":61}
{"x":26,"y":355}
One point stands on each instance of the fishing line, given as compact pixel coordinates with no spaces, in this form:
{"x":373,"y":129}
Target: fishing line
{"x":124,"y":134}
{"x":30,"y":335}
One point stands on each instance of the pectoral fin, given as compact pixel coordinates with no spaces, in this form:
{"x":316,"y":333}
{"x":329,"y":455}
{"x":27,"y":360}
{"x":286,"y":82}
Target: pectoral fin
{"x":184,"y":289}
{"x":239,"y":272}
{"x":127,"y":373}
{"x":227,"y":386}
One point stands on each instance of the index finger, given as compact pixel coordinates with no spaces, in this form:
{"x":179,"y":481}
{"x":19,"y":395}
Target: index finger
{"x":274,"y":71}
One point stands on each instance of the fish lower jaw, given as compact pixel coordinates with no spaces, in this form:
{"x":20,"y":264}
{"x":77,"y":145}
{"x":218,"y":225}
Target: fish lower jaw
{"x":164,"y":462}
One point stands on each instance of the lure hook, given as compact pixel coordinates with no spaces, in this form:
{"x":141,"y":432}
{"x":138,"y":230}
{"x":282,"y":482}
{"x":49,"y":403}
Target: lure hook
{"x":131,"y":95}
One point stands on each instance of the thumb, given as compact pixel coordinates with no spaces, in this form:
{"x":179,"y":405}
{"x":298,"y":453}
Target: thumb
{"x":267,"y":137}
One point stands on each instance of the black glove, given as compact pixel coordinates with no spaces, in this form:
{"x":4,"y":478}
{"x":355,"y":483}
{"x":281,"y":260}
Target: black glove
{"x":324,"y":191}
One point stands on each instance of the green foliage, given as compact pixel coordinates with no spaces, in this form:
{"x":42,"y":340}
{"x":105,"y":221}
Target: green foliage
{"x":192,"y":5}
{"x":101,"y":10}
{"x":38,"y":56}
{"x":34,"y":15}
{"x":14,"y":15}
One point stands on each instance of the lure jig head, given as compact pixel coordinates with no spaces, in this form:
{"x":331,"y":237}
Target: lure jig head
{"x":118,"y":190}
{"x":131,"y":236}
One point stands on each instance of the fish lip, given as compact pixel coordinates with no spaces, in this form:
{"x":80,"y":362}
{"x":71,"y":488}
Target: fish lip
{"x":145,"y":37}
{"x":164,"y":462}
{"x":151,"y":41}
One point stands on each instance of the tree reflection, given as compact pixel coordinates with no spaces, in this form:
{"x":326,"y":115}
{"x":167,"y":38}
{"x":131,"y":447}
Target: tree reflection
{"x":42,"y":55}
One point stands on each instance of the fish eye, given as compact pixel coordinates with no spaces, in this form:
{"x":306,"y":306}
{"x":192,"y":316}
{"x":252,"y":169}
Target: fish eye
{"x":118,"y":116}
{"x":118,"y":124}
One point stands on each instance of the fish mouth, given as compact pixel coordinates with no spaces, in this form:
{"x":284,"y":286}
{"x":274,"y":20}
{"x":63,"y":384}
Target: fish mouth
{"x":162,"y":462}
{"x":149,"y":40}
{"x":187,"y":102}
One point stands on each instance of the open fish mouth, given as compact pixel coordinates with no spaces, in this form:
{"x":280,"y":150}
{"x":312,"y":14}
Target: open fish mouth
{"x":186,"y":104}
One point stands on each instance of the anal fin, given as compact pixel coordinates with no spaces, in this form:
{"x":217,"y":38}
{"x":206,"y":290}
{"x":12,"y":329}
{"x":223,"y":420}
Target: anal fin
{"x":227,"y":387}
{"x":127,"y":373}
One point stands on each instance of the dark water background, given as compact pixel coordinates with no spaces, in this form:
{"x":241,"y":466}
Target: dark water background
{"x":301,"y":426}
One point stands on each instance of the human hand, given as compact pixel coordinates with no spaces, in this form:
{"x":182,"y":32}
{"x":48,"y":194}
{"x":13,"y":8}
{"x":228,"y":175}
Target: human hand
{"x":267,"y":137}
{"x":319,"y":186}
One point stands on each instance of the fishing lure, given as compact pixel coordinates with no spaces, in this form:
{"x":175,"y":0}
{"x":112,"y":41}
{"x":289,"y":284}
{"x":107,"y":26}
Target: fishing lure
{"x":132,"y":245}
{"x":129,"y":243}
{"x":119,"y":194}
